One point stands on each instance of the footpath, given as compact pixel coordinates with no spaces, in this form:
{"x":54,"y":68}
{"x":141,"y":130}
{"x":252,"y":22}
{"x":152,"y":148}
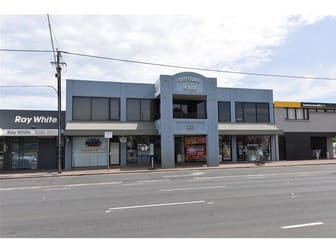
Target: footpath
{"x":134,"y":169}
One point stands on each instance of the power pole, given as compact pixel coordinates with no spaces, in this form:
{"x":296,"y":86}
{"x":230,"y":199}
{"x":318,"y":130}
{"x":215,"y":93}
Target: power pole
{"x":59,"y":98}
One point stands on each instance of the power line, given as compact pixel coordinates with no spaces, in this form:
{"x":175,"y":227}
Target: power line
{"x":25,"y":50}
{"x":199,"y":68}
{"x":179,"y":66}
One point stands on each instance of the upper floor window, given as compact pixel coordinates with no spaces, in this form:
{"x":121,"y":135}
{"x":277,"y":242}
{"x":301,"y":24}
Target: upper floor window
{"x":252,"y":112}
{"x":195,"y":109}
{"x":224,"y":111}
{"x":297,"y":114}
{"x":139,"y":109}
{"x":95,"y":108}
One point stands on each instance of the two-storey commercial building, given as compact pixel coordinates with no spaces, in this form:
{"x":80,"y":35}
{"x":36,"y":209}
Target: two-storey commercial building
{"x":308,"y":129}
{"x":180,"y":119}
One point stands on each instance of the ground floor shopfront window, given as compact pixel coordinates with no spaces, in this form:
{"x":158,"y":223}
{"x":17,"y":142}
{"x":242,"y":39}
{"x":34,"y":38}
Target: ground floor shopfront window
{"x":225,"y":148}
{"x":139,"y":149}
{"x":89,"y":151}
{"x":248,"y":147}
{"x":190,"y":149}
{"x":24,"y":153}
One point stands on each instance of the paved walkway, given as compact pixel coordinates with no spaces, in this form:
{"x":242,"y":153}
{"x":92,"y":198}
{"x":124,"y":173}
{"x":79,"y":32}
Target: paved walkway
{"x":94,"y":171}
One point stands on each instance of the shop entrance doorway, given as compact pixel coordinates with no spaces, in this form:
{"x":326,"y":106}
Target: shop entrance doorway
{"x":24,"y":153}
{"x":114,"y":153}
{"x":190,"y":149}
{"x":2,"y":153}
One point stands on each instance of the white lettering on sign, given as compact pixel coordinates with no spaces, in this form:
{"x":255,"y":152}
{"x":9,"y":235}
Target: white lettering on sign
{"x":190,"y":86}
{"x":189,"y":78}
{"x":35,"y":119}
{"x":19,"y":119}
{"x":189,"y":83}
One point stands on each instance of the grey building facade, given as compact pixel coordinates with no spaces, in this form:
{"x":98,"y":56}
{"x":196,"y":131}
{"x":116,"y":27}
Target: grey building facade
{"x":180,"y":119}
{"x":308,"y":129}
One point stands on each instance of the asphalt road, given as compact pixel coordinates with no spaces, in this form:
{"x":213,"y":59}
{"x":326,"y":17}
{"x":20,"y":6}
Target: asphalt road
{"x":253,"y":202}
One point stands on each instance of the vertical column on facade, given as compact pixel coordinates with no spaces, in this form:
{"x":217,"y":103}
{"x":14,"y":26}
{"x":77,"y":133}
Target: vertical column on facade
{"x":67,"y":153}
{"x":212,"y":138}
{"x":274,"y":147}
{"x":330,"y":147}
{"x":277,"y":147}
{"x":234,"y":148}
{"x":123,"y":154}
{"x":123,"y":118}
{"x":166,"y":125}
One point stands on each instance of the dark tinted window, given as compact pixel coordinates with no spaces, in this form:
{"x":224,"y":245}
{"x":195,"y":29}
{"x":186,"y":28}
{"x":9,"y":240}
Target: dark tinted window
{"x":146,"y":111}
{"x":81,"y":108}
{"x":100,"y":109}
{"x":250,"y":114}
{"x":133,"y":109}
{"x":224,"y":112}
{"x":114,"y":109}
{"x":239,"y":112}
{"x":262,"y":112}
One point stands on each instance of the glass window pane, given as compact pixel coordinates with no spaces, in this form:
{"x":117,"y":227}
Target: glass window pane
{"x":291,"y":113}
{"x":133,"y":109}
{"x":250,"y":112}
{"x":262,"y":112}
{"x":224,"y":112}
{"x":299,"y":114}
{"x":81,"y":108}
{"x":239,"y":112}
{"x":100,"y":109}
{"x":146,"y":111}
{"x":115,"y":109}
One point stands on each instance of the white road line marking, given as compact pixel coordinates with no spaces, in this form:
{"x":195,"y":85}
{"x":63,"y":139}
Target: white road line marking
{"x":185,"y":175}
{"x":257,"y":176}
{"x":58,"y":186}
{"x":152,"y":180}
{"x":55,"y":189}
{"x":20,"y":188}
{"x":158,"y":205}
{"x":96,"y":183}
{"x":132,"y":184}
{"x":263,"y":174}
{"x":302,"y":225}
{"x":191,"y":188}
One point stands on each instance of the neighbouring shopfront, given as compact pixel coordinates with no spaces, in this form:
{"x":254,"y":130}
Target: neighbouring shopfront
{"x":248,"y":147}
{"x":28,"y":139}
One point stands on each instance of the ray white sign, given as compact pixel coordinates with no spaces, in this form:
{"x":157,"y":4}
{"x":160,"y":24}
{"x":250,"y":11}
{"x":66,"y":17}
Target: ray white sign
{"x":35,"y":119}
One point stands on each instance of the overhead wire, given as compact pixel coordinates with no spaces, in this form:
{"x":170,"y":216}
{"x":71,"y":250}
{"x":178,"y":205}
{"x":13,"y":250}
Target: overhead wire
{"x":180,"y":66}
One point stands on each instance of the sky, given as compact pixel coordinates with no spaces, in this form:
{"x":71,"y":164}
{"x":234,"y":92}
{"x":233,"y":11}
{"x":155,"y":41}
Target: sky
{"x":299,"y":42}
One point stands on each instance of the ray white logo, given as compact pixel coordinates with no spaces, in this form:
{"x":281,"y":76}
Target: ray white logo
{"x":35,"y":119}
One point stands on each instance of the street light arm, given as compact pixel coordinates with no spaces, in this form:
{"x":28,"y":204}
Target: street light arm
{"x":12,"y":86}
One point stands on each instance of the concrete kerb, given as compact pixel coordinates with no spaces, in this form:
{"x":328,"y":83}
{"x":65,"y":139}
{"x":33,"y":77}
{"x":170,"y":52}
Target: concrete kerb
{"x":273,"y":164}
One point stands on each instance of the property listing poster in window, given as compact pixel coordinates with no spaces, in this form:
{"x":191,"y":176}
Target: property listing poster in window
{"x":195,"y":148}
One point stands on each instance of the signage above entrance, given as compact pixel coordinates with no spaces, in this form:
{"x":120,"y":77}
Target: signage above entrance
{"x":189,"y":84}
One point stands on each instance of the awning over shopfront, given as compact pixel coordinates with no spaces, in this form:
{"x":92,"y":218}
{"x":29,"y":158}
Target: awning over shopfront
{"x":118,"y":128}
{"x":248,"y":129}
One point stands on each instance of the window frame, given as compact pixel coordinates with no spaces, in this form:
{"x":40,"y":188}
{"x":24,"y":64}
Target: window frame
{"x":240,"y":108}
{"x":90,"y":98}
{"x":223,"y":116}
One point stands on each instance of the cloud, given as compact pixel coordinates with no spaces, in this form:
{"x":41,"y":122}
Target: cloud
{"x":227,"y":42}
